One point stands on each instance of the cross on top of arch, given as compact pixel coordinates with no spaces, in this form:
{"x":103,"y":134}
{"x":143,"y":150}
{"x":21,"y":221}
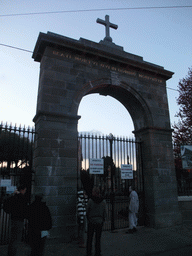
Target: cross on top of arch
{"x":107,"y":25}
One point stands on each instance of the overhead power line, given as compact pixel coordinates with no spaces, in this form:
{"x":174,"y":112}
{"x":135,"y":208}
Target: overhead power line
{"x":16,"y":48}
{"x":24,"y":50}
{"x":97,"y":10}
{"x":172,"y":89}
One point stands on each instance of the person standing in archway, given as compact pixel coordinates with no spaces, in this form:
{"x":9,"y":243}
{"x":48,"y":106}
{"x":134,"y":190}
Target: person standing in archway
{"x":96,"y":214}
{"x":133,"y":210}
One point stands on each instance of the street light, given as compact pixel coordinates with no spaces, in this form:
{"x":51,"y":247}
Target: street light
{"x":110,"y":137}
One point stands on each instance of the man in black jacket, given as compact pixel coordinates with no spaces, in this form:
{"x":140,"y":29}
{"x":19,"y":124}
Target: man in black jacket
{"x":16,"y":205}
{"x":39,"y":223}
{"x":96,"y":214}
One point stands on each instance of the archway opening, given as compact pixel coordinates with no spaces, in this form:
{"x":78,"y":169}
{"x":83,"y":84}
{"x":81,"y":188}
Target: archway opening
{"x":104,"y":115}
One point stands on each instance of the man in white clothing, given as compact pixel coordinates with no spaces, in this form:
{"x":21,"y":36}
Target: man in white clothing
{"x":133,"y":210}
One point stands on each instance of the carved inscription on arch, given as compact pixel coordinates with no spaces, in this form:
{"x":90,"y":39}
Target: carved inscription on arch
{"x":89,"y":61}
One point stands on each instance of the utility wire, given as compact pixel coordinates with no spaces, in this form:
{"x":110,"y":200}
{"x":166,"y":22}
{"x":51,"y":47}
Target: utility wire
{"x":13,"y":47}
{"x":172,"y":89}
{"x":96,"y":10}
{"x":20,"y":49}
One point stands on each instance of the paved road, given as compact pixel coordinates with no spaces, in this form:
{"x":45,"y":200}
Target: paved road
{"x":175,"y":241}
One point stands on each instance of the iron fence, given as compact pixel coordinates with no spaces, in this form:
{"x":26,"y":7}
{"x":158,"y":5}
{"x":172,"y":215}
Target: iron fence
{"x":16,"y":153}
{"x":121,"y":219}
{"x":116,"y":151}
{"x":124,"y":151}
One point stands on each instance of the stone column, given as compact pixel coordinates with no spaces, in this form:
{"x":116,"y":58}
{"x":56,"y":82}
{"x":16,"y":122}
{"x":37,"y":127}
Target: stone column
{"x":55,"y":152}
{"x":55,"y":165}
{"x":161,"y":199}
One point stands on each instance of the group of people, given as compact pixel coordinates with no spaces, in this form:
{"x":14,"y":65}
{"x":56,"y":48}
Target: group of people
{"x":39,"y":221}
{"x":91,"y":217}
{"x":94,"y":212}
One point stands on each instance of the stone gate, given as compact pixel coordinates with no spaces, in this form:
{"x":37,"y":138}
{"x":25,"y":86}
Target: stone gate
{"x":71,"y":69}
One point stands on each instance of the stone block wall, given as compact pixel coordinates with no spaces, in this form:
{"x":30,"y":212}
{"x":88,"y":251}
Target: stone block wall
{"x":185,"y":207}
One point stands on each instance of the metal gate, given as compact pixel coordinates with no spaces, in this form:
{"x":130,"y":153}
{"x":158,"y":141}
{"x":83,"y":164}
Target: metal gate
{"x":115,"y":151}
{"x":16,"y":149}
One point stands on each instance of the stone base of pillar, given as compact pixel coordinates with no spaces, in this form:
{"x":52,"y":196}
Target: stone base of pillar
{"x":164,"y":220}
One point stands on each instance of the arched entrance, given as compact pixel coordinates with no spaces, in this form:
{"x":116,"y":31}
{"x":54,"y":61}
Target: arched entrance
{"x":71,"y":69}
{"x":104,"y":115}
{"x":125,"y":94}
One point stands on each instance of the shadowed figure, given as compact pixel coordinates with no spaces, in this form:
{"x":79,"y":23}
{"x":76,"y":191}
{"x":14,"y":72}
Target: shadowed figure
{"x":96,"y":214}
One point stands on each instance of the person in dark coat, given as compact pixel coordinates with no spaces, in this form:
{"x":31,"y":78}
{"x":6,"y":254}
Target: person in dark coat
{"x":39,"y":223}
{"x":96,"y":214}
{"x":16,"y":206}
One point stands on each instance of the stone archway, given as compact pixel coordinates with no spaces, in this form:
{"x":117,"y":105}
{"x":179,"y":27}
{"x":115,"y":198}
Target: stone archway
{"x":71,"y":69}
{"x":125,"y":94}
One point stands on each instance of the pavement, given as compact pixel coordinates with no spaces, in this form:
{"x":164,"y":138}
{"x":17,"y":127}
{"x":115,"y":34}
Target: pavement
{"x":173,"y":241}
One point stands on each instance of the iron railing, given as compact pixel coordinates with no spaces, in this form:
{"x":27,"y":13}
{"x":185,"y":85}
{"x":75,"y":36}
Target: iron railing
{"x":115,"y":151}
{"x":16,"y":152}
{"x":124,"y":151}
